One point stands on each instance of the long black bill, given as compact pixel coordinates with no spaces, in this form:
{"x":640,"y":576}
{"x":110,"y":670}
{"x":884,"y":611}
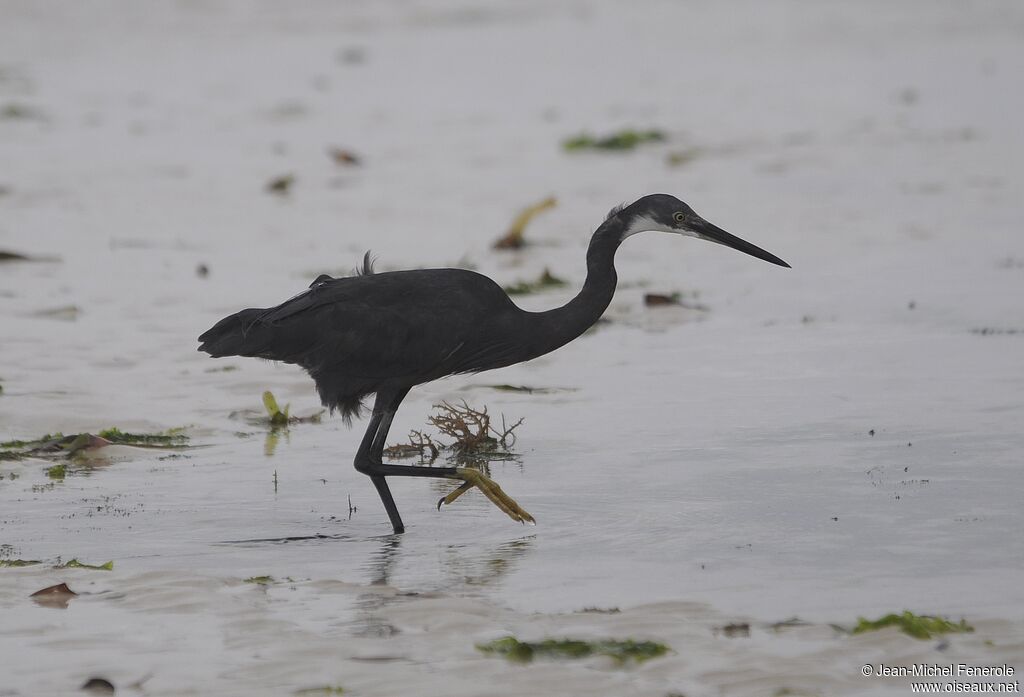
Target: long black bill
{"x":713,"y":233}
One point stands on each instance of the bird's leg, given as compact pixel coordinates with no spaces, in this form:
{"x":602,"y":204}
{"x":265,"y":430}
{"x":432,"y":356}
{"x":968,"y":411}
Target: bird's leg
{"x":369,"y":461}
{"x":389,"y":504}
{"x":364,"y":464}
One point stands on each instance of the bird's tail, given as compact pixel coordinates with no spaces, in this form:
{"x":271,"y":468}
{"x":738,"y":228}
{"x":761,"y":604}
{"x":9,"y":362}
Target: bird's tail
{"x":240,"y":334}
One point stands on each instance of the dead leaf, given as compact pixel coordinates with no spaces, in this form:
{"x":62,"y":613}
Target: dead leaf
{"x":344,"y":157}
{"x":57,"y":596}
{"x":514,"y":239}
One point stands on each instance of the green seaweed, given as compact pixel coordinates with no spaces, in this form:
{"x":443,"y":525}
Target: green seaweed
{"x":25,"y":443}
{"x":917,"y":626}
{"x":57,"y":471}
{"x":18,"y":563}
{"x":75,"y":564}
{"x":621,"y":651}
{"x":626,"y":139}
{"x":325,"y":690}
{"x":274,"y":416}
{"x":545,"y":280}
{"x":278,"y":416}
{"x":22,"y":112}
{"x":682,"y":157}
{"x":281,"y":185}
{"x":173,"y":436}
{"x":59,"y":444}
{"x":260,"y":580}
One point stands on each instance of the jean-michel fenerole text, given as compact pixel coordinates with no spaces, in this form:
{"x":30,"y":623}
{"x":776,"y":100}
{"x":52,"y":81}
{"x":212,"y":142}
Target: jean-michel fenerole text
{"x":953,"y":670}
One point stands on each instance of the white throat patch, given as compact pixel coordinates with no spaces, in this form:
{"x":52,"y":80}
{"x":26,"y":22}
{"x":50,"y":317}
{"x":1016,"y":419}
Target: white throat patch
{"x":645,"y":224}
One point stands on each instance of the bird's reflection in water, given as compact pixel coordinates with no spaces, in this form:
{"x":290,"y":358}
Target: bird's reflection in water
{"x":367,"y":622}
{"x":383,"y":561}
{"x":464,"y":565}
{"x":465,"y":568}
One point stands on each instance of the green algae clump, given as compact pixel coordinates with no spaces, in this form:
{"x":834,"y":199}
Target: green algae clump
{"x":917,"y":626}
{"x":259,"y":580}
{"x":544,"y":281}
{"x":75,"y":564}
{"x":173,"y":436}
{"x":626,"y":139}
{"x":621,"y":651}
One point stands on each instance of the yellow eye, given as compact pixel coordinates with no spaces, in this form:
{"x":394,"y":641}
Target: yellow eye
{"x":679,"y":217}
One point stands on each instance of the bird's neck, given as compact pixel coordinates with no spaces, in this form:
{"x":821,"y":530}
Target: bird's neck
{"x":563,"y":324}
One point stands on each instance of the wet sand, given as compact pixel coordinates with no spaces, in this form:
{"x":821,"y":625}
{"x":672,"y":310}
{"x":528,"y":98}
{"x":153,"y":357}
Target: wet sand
{"x":835,"y":441}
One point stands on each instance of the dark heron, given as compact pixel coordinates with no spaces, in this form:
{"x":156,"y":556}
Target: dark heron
{"x":384,"y":333}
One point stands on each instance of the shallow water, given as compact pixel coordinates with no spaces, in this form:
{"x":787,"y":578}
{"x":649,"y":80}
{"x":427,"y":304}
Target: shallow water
{"x":705,"y":468}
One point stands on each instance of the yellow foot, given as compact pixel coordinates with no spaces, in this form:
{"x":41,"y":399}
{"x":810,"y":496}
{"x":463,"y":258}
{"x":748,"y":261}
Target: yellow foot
{"x":474,"y":478}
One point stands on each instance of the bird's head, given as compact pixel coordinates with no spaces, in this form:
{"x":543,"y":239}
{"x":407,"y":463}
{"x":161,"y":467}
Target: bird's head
{"x":664,"y":213}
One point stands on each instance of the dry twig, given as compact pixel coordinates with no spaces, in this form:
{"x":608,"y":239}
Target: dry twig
{"x":469,"y":428}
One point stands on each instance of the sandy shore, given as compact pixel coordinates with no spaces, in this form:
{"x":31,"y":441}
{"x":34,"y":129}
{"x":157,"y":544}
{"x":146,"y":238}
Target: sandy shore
{"x":835,"y":441}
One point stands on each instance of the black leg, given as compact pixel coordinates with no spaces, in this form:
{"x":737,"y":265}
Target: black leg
{"x":372,"y":448}
{"x":369,"y":461}
{"x":380,"y":420}
{"x":389,"y":503}
{"x":368,"y":458}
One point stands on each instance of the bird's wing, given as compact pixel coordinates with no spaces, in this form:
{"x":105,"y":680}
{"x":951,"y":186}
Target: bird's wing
{"x":323,"y":291}
{"x":326,"y":290}
{"x":358,"y":326}
{"x":484,"y":355}
{"x":414,"y":325}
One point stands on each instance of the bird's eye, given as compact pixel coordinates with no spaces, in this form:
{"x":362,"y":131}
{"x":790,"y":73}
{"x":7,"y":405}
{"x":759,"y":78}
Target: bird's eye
{"x":679,"y":217}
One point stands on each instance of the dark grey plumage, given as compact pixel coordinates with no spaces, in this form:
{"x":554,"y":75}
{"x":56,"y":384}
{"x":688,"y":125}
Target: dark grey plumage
{"x":383,"y":333}
{"x":359,"y":334}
